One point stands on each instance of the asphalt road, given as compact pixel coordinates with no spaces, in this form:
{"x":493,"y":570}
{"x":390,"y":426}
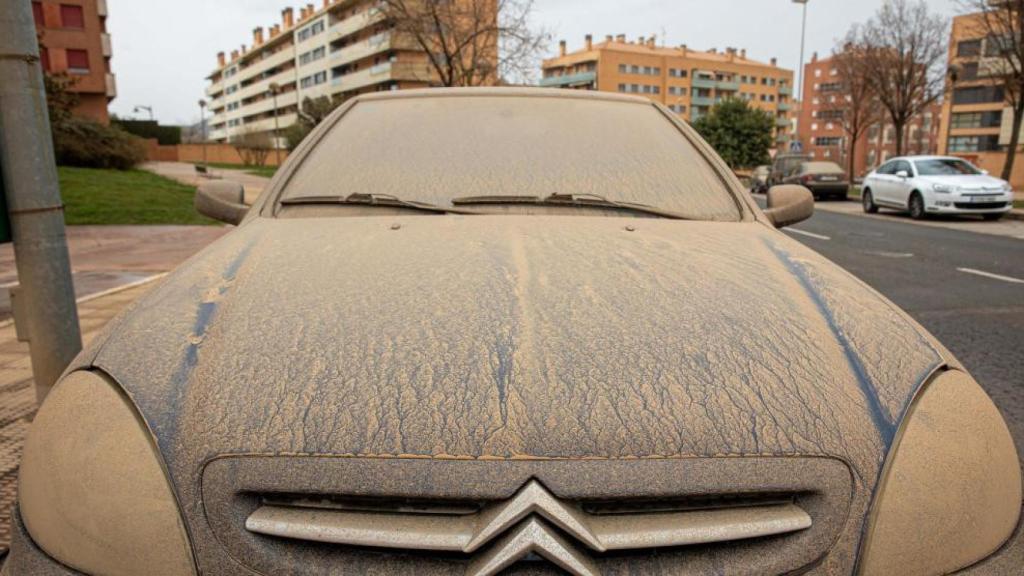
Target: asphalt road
{"x":966,"y":288}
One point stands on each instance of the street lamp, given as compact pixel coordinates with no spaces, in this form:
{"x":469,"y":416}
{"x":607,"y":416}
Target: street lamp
{"x":275,"y":88}
{"x":202,"y":126}
{"x":147,"y":109}
{"x":803,"y":36}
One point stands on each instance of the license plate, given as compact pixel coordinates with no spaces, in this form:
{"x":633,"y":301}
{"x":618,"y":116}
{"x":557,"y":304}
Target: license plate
{"x":983,"y":199}
{"x":829,"y":178}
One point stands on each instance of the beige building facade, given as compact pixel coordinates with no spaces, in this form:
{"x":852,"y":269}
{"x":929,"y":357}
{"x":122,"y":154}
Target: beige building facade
{"x":687,"y":81}
{"x":338,"y":48}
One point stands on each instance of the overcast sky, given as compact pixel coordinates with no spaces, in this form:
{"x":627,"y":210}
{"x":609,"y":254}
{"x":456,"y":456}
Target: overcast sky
{"x":164,"y":50}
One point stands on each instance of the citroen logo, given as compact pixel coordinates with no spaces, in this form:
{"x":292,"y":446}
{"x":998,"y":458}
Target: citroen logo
{"x":534,"y":535}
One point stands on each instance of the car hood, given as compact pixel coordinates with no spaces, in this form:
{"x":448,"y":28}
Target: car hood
{"x":510,"y":337}
{"x":981,"y":182}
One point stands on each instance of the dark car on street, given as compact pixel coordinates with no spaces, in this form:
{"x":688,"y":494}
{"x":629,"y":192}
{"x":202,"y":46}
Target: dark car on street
{"x":521,"y":332}
{"x":784,"y":165}
{"x":825,"y":180}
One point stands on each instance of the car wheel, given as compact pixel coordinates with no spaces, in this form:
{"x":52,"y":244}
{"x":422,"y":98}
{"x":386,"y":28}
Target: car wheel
{"x":992,"y":217}
{"x":917,"y":206}
{"x":869,"y":202}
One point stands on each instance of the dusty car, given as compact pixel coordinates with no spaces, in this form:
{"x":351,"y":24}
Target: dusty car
{"x":522,"y":332}
{"x":823,"y":179}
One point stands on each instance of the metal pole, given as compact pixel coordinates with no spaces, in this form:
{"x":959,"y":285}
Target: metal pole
{"x":803,"y":36}
{"x":274,"y":89}
{"x":202,"y":126}
{"x":46,"y":296}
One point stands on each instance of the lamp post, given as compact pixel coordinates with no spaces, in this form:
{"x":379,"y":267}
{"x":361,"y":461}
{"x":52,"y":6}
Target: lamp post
{"x":803,"y":37}
{"x":148,"y":109}
{"x":202,"y":126}
{"x":275,"y":88}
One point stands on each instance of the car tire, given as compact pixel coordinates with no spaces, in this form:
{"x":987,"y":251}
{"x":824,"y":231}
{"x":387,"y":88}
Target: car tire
{"x":868,"y":201}
{"x":916,"y":207}
{"x":992,"y":217}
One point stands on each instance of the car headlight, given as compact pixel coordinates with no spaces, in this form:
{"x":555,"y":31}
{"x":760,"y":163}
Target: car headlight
{"x":944,"y":188}
{"x":92,"y":491}
{"x":1007,"y":187}
{"x":951,"y":492}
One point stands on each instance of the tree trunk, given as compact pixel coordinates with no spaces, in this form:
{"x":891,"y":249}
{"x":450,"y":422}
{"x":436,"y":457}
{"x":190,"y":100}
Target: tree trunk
{"x":852,"y":158}
{"x":1011,"y":151}
{"x":898,"y":127}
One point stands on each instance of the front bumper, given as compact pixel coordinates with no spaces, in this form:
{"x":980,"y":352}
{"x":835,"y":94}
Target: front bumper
{"x":27,"y":559}
{"x":960,"y":204}
{"x":838,"y":189}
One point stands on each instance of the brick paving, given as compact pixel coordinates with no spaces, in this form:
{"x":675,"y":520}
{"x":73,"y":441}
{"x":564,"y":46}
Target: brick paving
{"x":18,"y":395}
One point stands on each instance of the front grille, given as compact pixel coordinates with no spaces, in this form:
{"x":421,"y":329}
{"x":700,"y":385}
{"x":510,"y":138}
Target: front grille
{"x":478,"y":518}
{"x":980,"y":205}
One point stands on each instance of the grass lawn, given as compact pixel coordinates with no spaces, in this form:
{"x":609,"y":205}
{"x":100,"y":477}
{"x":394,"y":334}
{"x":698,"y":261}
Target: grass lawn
{"x":265,"y":171}
{"x":1018,"y":203}
{"x":94,"y":196}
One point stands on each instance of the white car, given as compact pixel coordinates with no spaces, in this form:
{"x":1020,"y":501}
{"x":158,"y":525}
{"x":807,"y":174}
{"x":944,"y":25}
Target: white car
{"x":923,"y":185}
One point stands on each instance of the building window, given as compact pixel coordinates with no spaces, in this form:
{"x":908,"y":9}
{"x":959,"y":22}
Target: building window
{"x":44,"y":58}
{"x":37,"y":14}
{"x":827,"y":141}
{"x":310,"y":31}
{"x":968,"y":49}
{"x":832,"y":114}
{"x":78,"y":61}
{"x":969,"y":71}
{"x":314,"y":80}
{"x":312,"y":56}
{"x":831,"y":87}
{"x":992,"y":119}
{"x":988,"y":143}
{"x":231,"y":89}
{"x":677,"y":73}
{"x":978,"y":95}
{"x":71,"y":16}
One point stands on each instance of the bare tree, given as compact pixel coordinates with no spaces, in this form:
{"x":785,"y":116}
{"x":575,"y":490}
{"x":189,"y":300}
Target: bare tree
{"x":859,"y":108}
{"x":254,"y":147}
{"x":471,"y":42}
{"x":1001,"y":24}
{"x":905,"y":54}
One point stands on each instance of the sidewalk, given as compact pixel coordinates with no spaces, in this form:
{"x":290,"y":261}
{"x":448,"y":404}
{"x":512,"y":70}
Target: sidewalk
{"x":1008,"y":226}
{"x":18,"y":394}
{"x":186,"y":174}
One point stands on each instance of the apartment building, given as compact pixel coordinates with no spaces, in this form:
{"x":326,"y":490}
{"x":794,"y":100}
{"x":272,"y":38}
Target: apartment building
{"x":689,"y":82}
{"x":976,"y":122}
{"x":821,"y":130}
{"x":339,"y":48}
{"x":74,"y":40}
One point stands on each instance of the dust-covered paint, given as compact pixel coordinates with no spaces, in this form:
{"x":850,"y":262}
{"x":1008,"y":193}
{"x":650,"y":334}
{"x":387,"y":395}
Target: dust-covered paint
{"x":518,"y":337}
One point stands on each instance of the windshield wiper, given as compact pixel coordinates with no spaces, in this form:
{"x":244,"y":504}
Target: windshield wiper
{"x":585,"y":200}
{"x":373,"y":200}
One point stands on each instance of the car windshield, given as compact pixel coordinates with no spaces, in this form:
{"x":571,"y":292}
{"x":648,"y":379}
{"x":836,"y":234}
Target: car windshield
{"x":822,"y":168}
{"x":435,"y":149}
{"x":945,"y":167}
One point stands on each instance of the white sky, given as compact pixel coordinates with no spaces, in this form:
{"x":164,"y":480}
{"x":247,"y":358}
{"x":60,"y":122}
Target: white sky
{"x":164,"y":50}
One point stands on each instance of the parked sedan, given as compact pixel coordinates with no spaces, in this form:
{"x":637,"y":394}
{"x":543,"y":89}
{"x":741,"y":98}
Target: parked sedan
{"x":923,"y":185}
{"x":759,"y":180}
{"x":823,"y":179}
{"x":514,"y":331}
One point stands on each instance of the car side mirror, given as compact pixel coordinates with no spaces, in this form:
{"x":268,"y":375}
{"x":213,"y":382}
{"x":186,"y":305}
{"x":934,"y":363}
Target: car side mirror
{"x":903,"y":174}
{"x":222,"y":200}
{"x":788,"y":205}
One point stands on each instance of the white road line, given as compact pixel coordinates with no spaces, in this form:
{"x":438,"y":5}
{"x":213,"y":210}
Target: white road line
{"x":990,"y":275}
{"x":806,"y":233}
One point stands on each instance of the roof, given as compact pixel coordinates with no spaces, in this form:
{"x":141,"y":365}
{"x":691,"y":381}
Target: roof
{"x":643,"y":49}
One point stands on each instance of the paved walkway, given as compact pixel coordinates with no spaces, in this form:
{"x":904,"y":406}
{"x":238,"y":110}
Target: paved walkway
{"x":18,"y":394}
{"x":107,"y":257}
{"x":186,"y":174}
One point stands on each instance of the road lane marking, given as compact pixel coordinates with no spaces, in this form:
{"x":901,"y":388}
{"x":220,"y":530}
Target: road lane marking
{"x":806,"y":233}
{"x":893,"y":254}
{"x":991,"y":275}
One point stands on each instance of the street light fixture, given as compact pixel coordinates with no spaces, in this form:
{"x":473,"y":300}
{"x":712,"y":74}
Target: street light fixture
{"x":146,"y":108}
{"x":202,"y":126}
{"x":275,"y":88}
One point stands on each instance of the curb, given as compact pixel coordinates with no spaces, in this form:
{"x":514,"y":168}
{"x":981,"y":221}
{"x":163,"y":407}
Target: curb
{"x":1015,"y":214}
{"x":108,"y":292}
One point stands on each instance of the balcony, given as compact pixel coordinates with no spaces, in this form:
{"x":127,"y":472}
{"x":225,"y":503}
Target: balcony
{"x":111,"y":82}
{"x":354,"y":24}
{"x":263,"y":85}
{"x":105,"y":43}
{"x":785,"y":106}
{"x":101,"y":8}
{"x":785,"y":90}
{"x":578,"y":79}
{"x":727,"y":86}
{"x":267,"y":104}
{"x":272,"y":61}
{"x":373,"y":45}
{"x":783,"y":122}
{"x":266,"y":124}
{"x":702,"y":101}
{"x":366,"y":77}
{"x":699,"y":82}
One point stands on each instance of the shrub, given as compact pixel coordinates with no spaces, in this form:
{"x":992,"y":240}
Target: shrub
{"x":88,"y":144}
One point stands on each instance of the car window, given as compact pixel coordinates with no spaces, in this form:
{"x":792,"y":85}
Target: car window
{"x":887,"y":168}
{"x":904,"y":166}
{"x":821,"y":168}
{"x":436,"y":149}
{"x":945,"y":167}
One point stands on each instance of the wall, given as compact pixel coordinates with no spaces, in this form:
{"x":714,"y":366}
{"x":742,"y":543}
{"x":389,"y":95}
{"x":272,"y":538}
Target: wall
{"x":193,"y":153}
